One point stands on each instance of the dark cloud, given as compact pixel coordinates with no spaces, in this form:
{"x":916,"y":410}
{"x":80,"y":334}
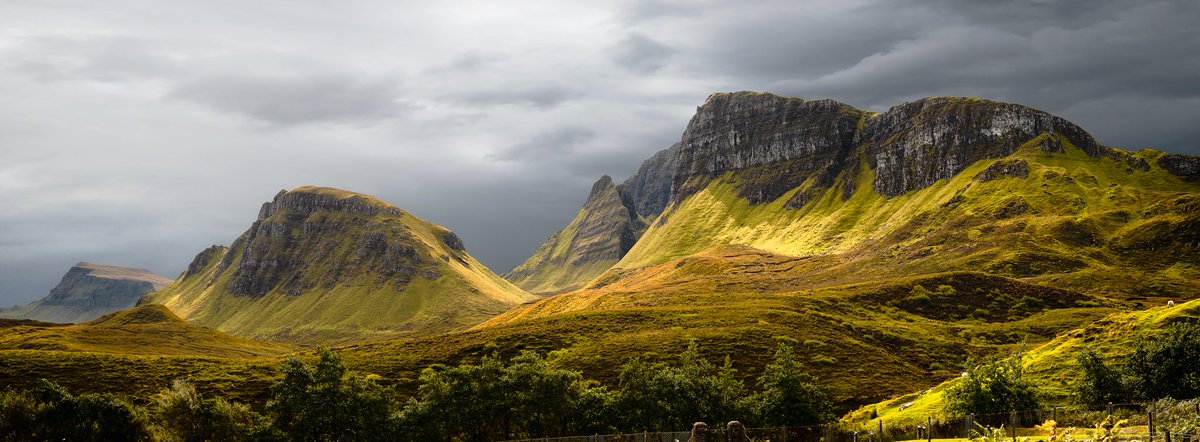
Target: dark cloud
{"x":297,"y":99}
{"x":641,"y":54}
{"x":117,"y":143}
{"x":537,"y":96}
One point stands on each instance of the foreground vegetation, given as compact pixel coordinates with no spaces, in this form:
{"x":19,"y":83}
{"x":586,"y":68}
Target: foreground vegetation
{"x":527,"y":396}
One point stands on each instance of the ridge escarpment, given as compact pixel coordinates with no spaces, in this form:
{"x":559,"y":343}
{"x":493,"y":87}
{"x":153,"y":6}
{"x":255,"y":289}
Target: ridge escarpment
{"x":784,"y":156}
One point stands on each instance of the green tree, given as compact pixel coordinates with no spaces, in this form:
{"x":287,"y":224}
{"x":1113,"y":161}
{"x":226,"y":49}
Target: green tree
{"x":663,"y":397}
{"x":993,"y":388}
{"x":328,"y":402}
{"x":528,"y":397}
{"x":790,"y":396}
{"x":1166,"y":366}
{"x":1100,"y":382}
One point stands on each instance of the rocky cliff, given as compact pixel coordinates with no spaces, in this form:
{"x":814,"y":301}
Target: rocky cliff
{"x":321,"y":265}
{"x":89,"y":291}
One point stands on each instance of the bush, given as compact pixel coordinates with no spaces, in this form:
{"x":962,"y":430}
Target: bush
{"x":993,"y":388}
{"x":99,"y":417}
{"x":182,"y":414}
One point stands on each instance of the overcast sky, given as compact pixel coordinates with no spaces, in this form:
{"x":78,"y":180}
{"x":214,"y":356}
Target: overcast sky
{"x":137,"y":133}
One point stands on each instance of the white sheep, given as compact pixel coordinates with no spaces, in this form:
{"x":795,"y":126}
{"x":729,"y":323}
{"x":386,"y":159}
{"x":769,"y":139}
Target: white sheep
{"x":1170,"y":303}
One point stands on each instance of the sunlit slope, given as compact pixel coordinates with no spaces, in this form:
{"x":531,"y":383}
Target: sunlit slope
{"x":739,"y":302}
{"x":323,"y":265}
{"x":1051,"y":366}
{"x":142,"y":330}
{"x":1066,"y":219}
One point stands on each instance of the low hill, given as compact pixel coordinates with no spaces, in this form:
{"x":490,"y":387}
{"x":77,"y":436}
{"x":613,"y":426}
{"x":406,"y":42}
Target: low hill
{"x":323,"y":265}
{"x":143,"y":330}
{"x":88,"y":291}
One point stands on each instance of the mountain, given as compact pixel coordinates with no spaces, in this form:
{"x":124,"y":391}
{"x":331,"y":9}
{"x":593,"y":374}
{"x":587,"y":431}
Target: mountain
{"x":322,"y":265}
{"x":610,"y":221}
{"x":142,"y":330}
{"x":905,"y":239}
{"x":89,"y":291}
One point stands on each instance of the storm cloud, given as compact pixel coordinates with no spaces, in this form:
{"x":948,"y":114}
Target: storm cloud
{"x":136,"y":133}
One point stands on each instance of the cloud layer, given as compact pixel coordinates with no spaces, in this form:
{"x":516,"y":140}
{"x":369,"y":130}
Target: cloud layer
{"x":137,"y":134}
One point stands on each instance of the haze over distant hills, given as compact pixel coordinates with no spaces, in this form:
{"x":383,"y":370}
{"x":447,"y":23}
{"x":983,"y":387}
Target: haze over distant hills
{"x":88,"y":291}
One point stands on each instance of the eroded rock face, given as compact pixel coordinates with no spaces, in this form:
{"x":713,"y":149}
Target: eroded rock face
{"x":915,"y":144}
{"x":301,"y":230}
{"x":650,"y":188}
{"x":1004,"y":168}
{"x":1184,"y":166}
{"x":745,"y":130}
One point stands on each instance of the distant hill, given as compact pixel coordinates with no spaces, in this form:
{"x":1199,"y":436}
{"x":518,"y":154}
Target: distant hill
{"x":323,"y":265}
{"x":142,"y":330}
{"x":89,"y":291}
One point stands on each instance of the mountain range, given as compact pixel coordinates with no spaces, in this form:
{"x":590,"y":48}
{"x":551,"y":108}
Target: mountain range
{"x":887,"y":246}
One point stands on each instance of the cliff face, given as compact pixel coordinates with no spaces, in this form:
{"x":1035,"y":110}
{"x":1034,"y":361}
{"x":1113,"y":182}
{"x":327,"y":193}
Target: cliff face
{"x":915,"y":144}
{"x":323,"y":265}
{"x":777,"y":142}
{"x":89,"y":291}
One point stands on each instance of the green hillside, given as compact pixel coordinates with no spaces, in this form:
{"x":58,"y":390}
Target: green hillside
{"x":326,"y":265}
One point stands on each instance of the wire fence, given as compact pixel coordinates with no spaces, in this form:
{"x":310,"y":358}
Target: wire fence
{"x":1111,"y":423}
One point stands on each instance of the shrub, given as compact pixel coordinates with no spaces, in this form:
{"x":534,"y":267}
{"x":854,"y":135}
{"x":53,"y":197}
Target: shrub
{"x":1166,"y":367}
{"x":992,"y":388}
{"x":182,"y":414}
{"x":1100,"y":383}
{"x":327,"y":402}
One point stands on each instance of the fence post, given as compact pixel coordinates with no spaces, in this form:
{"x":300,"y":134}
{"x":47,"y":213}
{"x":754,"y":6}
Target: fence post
{"x":1110,"y":408}
{"x":880,"y":430}
{"x":1055,"y":412}
{"x":1151,"y":414}
{"x":970,"y":422}
{"x":1012,"y":422}
{"x":929,"y":428}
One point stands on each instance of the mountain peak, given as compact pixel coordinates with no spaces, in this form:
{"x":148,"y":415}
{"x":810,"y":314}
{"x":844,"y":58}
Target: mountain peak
{"x":604,"y":183}
{"x":305,"y":200}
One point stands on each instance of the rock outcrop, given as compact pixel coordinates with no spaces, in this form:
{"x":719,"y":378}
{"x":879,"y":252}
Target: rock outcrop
{"x":605,"y":228}
{"x":777,"y":142}
{"x":89,"y":291}
{"x":322,"y":265}
{"x":915,"y":144}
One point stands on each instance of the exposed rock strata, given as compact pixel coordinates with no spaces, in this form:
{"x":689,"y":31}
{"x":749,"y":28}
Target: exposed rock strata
{"x":88,"y":291}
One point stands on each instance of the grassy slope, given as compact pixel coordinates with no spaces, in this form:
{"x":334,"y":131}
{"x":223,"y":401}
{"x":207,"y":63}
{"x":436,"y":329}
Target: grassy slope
{"x":135,"y":354}
{"x":1051,"y":366}
{"x":916,"y":232}
{"x":143,"y":330}
{"x":466,"y":293}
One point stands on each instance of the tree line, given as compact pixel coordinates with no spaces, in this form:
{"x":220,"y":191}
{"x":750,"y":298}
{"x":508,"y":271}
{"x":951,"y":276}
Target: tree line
{"x":523,"y":397}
